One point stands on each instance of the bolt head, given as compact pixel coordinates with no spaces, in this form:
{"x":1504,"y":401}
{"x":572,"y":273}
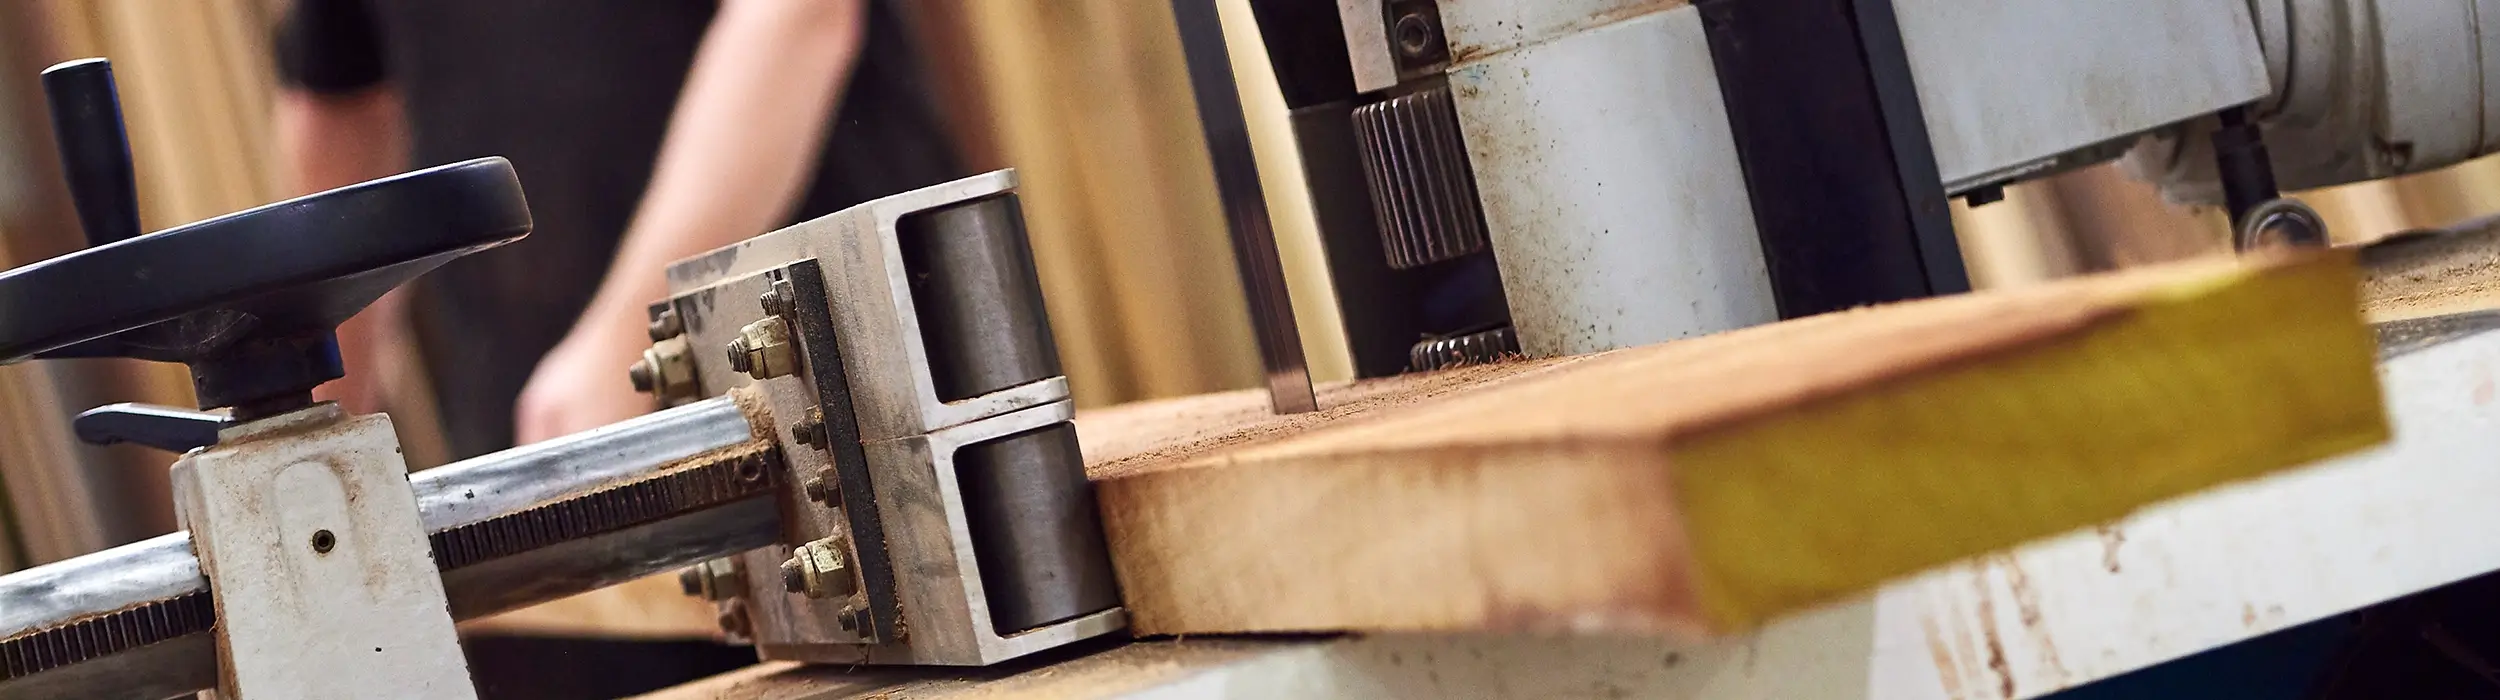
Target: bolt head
{"x":738,"y":359}
{"x":666,"y":326}
{"x":1414,"y":35}
{"x":819,"y":490}
{"x":773,"y":302}
{"x":642,"y":376}
{"x":691,"y":580}
{"x":733,"y":619}
{"x":793,"y":576}
{"x":764,"y":350}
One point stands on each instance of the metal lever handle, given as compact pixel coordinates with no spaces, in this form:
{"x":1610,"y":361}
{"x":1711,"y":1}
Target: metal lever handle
{"x":95,"y":150}
{"x":162,"y":427}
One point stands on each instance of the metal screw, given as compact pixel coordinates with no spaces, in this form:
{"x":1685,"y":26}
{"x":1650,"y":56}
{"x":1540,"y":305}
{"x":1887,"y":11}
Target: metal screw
{"x":775,"y":300}
{"x":666,"y":325}
{"x":849,"y":621}
{"x":738,"y":359}
{"x":642,"y":376}
{"x":809,"y":432}
{"x":691,"y":580}
{"x":792,"y":577}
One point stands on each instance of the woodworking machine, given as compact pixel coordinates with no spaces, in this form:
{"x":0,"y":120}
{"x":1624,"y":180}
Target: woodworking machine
{"x":865,"y":455}
{"x":1572,"y":176}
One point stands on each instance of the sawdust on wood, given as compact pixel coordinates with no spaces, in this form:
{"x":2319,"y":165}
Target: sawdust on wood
{"x":1150,"y":435}
{"x":2432,"y":273}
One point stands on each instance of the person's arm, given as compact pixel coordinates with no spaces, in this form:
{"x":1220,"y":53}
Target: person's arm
{"x":327,"y":141}
{"x":338,"y":123}
{"x":739,"y":149}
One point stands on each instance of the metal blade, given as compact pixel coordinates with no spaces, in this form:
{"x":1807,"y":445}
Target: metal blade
{"x":1245,"y":205}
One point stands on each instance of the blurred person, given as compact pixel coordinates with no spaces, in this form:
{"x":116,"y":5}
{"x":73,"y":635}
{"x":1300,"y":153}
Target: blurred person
{"x":643,"y":131}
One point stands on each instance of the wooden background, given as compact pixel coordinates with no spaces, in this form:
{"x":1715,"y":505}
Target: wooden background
{"x":1087,"y":97}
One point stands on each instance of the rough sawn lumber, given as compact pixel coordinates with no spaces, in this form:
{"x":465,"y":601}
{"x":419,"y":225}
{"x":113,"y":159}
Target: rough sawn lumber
{"x":1701,"y":486}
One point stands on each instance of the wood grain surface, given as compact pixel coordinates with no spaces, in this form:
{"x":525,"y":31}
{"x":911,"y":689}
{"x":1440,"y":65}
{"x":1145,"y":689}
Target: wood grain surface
{"x":1701,"y":486}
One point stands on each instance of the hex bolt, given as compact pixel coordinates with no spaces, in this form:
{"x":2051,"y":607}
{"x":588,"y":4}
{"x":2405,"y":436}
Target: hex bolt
{"x":821,"y":490}
{"x":763,"y":349}
{"x":777,"y":300}
{"x":733,"y":619}
{"x":664,"y":372}
{"x":738,"y":358}
{"x":718,"y":579}
{"x":690,"y":580}
{"x":792,"y":577}
{"x":820,"y":569}
{"x":666,"y":325}
{"x":809,"y":432}
{"x":642,"y":376}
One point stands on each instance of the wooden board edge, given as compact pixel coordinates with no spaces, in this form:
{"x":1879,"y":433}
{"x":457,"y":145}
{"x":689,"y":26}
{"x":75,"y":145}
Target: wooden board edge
{"x":2199,"y":385}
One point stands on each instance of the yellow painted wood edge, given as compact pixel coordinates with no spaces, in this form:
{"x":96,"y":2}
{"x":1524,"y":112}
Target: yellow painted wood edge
{"x":2203,"y":382}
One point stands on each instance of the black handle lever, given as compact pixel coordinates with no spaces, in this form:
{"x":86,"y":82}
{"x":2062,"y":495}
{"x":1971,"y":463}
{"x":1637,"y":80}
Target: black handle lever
{"x":95,"y":150}
{"x":162,"y":427}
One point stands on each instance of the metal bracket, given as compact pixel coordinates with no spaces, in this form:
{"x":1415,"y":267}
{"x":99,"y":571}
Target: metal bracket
{"x":307,"y":529}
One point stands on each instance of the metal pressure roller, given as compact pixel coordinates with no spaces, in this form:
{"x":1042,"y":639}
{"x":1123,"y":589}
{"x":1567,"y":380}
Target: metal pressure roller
{"x":864,"y":454}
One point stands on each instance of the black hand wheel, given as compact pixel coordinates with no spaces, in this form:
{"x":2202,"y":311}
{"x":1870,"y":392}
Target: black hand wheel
{"x":248,"y":300}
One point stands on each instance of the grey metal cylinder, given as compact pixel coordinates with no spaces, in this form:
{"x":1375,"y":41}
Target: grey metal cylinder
{"x":978,"y":298}
{"x":1035,"y":532}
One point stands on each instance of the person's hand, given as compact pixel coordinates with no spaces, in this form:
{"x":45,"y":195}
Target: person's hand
{"x":581,"y":384}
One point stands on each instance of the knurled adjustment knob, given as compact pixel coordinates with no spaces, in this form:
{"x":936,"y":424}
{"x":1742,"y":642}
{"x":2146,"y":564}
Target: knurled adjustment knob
{"x":1415,"y":163}
{"x":1477,"y":348}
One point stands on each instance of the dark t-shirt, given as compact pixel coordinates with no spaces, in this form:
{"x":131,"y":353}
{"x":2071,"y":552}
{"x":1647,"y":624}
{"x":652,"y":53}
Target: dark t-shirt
{"x":577,"y":93}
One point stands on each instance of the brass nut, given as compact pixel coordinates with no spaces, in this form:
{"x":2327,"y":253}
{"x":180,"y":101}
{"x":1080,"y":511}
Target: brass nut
{"x":819,"y":569}
{"x":763,"y":349}
{"x":666,"y":371}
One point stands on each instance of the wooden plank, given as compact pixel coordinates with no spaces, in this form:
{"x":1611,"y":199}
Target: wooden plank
{"x":1702,"y":486}
{"x":2431,"y":273}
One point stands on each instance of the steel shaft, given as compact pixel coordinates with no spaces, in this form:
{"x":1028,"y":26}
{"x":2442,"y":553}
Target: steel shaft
{"x":119,"y":623}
